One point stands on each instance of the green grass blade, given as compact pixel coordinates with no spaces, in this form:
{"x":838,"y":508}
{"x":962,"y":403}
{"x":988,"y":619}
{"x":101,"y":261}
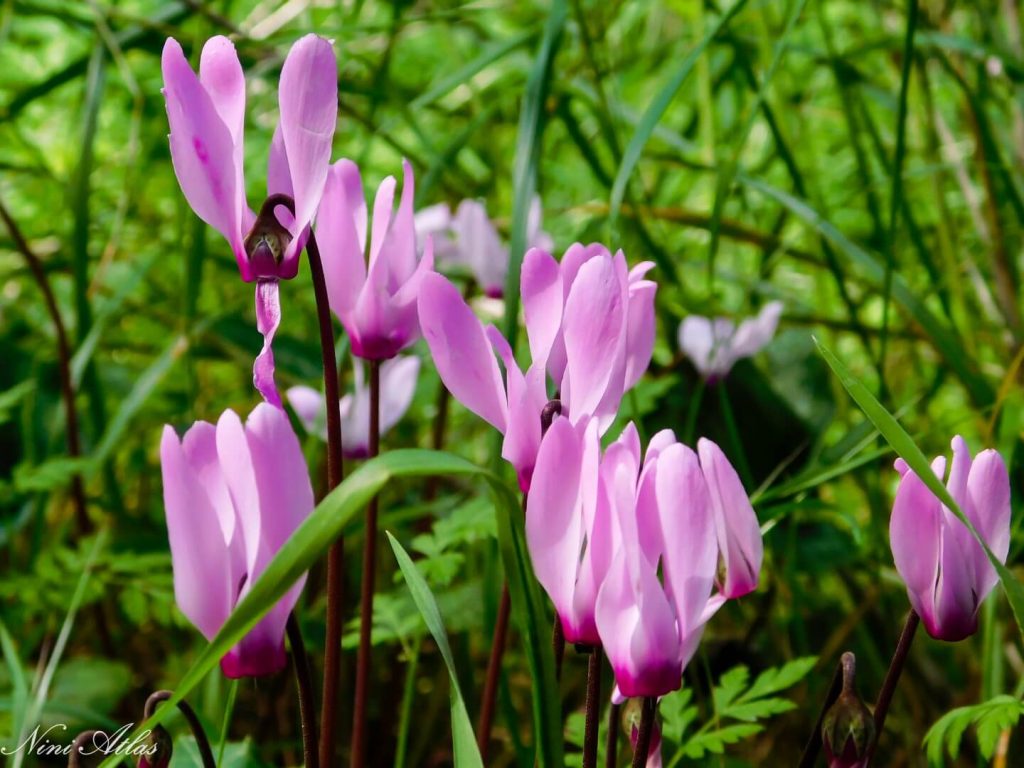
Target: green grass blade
{"x":333,"y":516}
{"x":941,"y":335}
{"x":907,"y":449}
{"x":534,"y":626}
{"x":528,"y":144}
{"x":652,"y":116}
{"x":464,"y":748}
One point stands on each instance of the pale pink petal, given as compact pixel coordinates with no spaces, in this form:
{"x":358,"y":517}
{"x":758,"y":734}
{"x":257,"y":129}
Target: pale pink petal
{"x":542,"y":294}
{"x":308,"y":404}
{"x":461,"y":352}
{"x":754,"y":333}
{"x":687,"y":526}
{"x":479,"y":246}
{"x":526,"y":400}
{"x":593,"y":328}
{"x":341,"y":235}
{"x":397,"y":387}
{"x":914,"y":536}
{"x":988,"y":493}
{"x":554,"y":531}
{"x":240,"y":477}
{"x":640,"y":327}
{"x":268,"y":317}
{"x":203,"y":587}
{"x":739,"y":534}
{"x":308,"y":96}
{"x":203,"y":152}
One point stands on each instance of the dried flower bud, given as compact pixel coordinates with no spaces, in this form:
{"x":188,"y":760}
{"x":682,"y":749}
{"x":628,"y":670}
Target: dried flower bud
{"x":848,"y":730}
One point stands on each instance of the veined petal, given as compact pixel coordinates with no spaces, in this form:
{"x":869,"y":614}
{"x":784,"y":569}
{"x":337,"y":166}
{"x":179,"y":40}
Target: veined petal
{"x":554,"y":530}
{"x":341,"y":235}
{"x":988,"y":496}
{"x":268,"y":317}
{"x":193,"y":490}
{"x":460,"y":350}
{"x":915,"y":538}
{"x":687,"y":525}
{"x":640,"y":328}
{"x":593,"y":327}
{"x":203,"y":152}
{"x":542,"y":293}
{"x":308,"y":96}
{"x":738,"y":532}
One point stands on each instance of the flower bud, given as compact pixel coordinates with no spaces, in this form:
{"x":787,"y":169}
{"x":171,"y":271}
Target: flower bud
{"x":848,"y":730}
{"x":158,"y":749}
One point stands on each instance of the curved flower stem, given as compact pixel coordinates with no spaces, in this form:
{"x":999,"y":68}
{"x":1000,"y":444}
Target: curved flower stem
{"x":593,"y":708}
{"x":490,"y":695}
{"x":612,"y":746}
{"x":304,"y":681}
{"x":205,"y":752}
{"x":892,"y":677}
{"x":643,"y":738}
{"x":67,"y":390}
{"x":363,"y":661}
{"x":813,"y":746}
{"x":75,"y":753}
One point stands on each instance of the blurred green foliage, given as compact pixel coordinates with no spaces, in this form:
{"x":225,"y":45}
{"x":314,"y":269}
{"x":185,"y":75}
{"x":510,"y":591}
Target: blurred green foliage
{"x":775,"y":171}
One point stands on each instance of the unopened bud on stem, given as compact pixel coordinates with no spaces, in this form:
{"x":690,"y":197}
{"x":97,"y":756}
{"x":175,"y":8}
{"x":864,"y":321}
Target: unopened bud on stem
{"x":848,"y":730}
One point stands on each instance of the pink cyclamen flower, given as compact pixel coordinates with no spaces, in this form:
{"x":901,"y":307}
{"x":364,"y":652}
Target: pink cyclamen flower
{"x":206,"y":116}
{"x":714,"y":345}
{"x":470,"y":239}
{"x":649,"y":618}
{"x":945,"y":569}
{"x":233,"y":495}
{"x":397,"y":387}
{"x":590,"y":324}
{"x":375,"y":301}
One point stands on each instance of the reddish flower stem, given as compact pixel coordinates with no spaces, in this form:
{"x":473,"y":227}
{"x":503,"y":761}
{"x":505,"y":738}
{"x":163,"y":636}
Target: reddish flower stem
{"x":643,"y":737}
{"x":490,"y":695}
{"x":205,"y":752}
{"x":892,"y":677}
{"x":363,"y":662}
{"x":593,"y":708}
{"x":558,"y":646}
{"x":612,"y":746}
{"x":35,"y":266}
{"x":813,"y":746}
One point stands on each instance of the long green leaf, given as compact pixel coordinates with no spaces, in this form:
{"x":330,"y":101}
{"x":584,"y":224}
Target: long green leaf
{"x":942,"y":336}
{"x":464,"y":748}
{"x":332,"y":517}
{"x":905,"y":447}
{"x":652,"y":116}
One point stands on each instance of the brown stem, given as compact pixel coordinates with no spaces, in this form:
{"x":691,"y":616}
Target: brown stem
{"x":63,"y":364}
{"x":363,"y":661}
{"x":892,"y":677}
{"x":612,"y":746}
{"x":593,"y":708}
{"x":75,"y":751}
{"x":490,"y":695}
{"x":643,"y":737}
{"x":335,"y":473}
{"x":813,"y":746}
{"x":205,"y":752}
{"x":304,"y":681}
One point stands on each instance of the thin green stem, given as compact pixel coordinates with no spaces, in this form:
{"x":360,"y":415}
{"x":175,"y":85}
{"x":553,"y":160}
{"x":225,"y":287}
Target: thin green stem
{"x":408,"y":694}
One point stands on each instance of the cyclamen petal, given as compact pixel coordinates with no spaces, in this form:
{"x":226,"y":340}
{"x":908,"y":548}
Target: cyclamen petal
{"x":715,"y":345}
{"x":461,"y":352}
{"x":268,"y":318}
{"x":739,"y":534}
{"x":250,"y":483}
